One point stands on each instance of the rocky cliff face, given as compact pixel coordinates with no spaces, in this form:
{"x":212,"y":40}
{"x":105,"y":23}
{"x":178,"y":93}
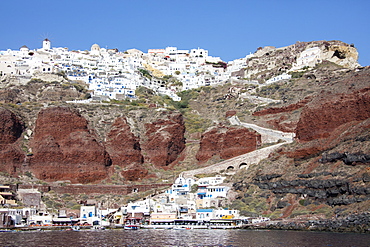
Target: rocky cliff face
{"x":63,"y":145}
{"x":327,"y":170}
{"x":269,"y":61}
{"x":38,"y":90}
{"x":324,"y":172}
{"x":124,"y":149}
{"x":122,"y":145}
{"x":164,"y":140}
{"x":11,"y":129}
{"x":227,"y":142}
{"x":326,"y":112}
{"x":64,"y":148}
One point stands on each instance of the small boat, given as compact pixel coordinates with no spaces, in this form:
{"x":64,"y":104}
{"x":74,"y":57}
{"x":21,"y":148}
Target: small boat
{"x":130,"y":227}
{"x":98,"y":228}
{"x":182,"y":228}
{"x":74,"y":228}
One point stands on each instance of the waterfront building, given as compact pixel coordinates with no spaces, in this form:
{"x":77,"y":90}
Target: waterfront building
{"x":41,"y":218}
{"x":226,"y":214}
{"x":162,"y":218}
{"x":90,"y":214}
{"x":6,"y":219}
{"x":204,"y":214}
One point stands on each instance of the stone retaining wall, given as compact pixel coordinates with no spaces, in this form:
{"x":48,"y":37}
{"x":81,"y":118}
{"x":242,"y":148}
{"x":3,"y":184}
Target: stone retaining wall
{"x":94,"y":189}
{"x":236,"y":163}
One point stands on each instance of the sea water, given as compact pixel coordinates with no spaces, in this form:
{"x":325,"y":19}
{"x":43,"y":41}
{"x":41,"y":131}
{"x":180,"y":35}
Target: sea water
{"x":196,"y":237}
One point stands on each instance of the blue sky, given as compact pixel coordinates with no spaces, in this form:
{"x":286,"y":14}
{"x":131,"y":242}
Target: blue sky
{"x":229,"y":29}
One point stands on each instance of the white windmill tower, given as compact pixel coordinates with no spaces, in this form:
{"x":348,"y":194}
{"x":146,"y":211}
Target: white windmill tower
{"x":46,"y":44}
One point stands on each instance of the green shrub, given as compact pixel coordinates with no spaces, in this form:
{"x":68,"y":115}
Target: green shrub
{"x":297,"y":74}
{"x":28,"y":174}
{"x":195,"y":123}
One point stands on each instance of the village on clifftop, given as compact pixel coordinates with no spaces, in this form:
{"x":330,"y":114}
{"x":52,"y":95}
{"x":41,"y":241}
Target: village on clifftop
{"x":112,"y":74}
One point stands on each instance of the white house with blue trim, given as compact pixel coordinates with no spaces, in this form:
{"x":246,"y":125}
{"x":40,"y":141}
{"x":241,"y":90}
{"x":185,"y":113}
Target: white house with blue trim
{"x":181,"y":187}
{"x":204,"y":214}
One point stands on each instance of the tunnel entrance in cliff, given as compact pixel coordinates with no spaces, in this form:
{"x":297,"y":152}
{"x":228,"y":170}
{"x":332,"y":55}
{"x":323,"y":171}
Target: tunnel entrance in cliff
{"x":243,"y":165}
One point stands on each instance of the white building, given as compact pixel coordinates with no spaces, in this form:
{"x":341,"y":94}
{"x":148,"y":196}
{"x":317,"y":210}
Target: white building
{"x":42,"y":218}
{"x":89,"y":215}
{"x":278,"y":78}
{"x":226,"y":214}
{"x":309,"y":57}
{"x":198,"y":53}
{"x":218,"y":179}
{"x":95,"y":50}
{"x":204,"y":214}
{"x":46,"y":45}
{"x":114,"y":75}
{"x":181,"y":187}
{"x":215,"y":191}
{"x":139,"y":207}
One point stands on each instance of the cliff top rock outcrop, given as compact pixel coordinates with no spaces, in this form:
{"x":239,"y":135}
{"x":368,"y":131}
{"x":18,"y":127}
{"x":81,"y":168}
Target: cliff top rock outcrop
{"x":269,"y":61}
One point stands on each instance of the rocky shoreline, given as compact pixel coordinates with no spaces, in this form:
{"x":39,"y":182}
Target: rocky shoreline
{"x":355,"y":223}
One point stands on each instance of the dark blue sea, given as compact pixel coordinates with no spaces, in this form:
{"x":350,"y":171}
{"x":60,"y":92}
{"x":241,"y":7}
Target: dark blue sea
{"x":194,"y":237}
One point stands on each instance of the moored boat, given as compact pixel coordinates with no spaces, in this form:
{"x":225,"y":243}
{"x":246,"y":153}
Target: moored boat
{"x":130,"y":227}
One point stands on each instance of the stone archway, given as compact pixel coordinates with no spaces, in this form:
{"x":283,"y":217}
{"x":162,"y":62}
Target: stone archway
{"x":230,"y":168}
{"x":243,"y":165}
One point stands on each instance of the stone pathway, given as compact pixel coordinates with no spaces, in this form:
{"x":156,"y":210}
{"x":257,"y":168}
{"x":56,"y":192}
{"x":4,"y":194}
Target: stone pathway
{"x":243,"y":161}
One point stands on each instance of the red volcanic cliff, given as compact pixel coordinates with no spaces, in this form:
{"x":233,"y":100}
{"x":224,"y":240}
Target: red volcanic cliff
{"x":289,"y":108}
{"x":227,"y":142}
{"x":281,"y":118}
{"x":122,"y":145}
{"x":327,"y":112}
{"x":64,"y":149}
{"x":340,"y":112}
{"x":11,"y":128}
{"x":124,"y":149}
{"x":164,"y":140}
{"x":134,"y":174}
